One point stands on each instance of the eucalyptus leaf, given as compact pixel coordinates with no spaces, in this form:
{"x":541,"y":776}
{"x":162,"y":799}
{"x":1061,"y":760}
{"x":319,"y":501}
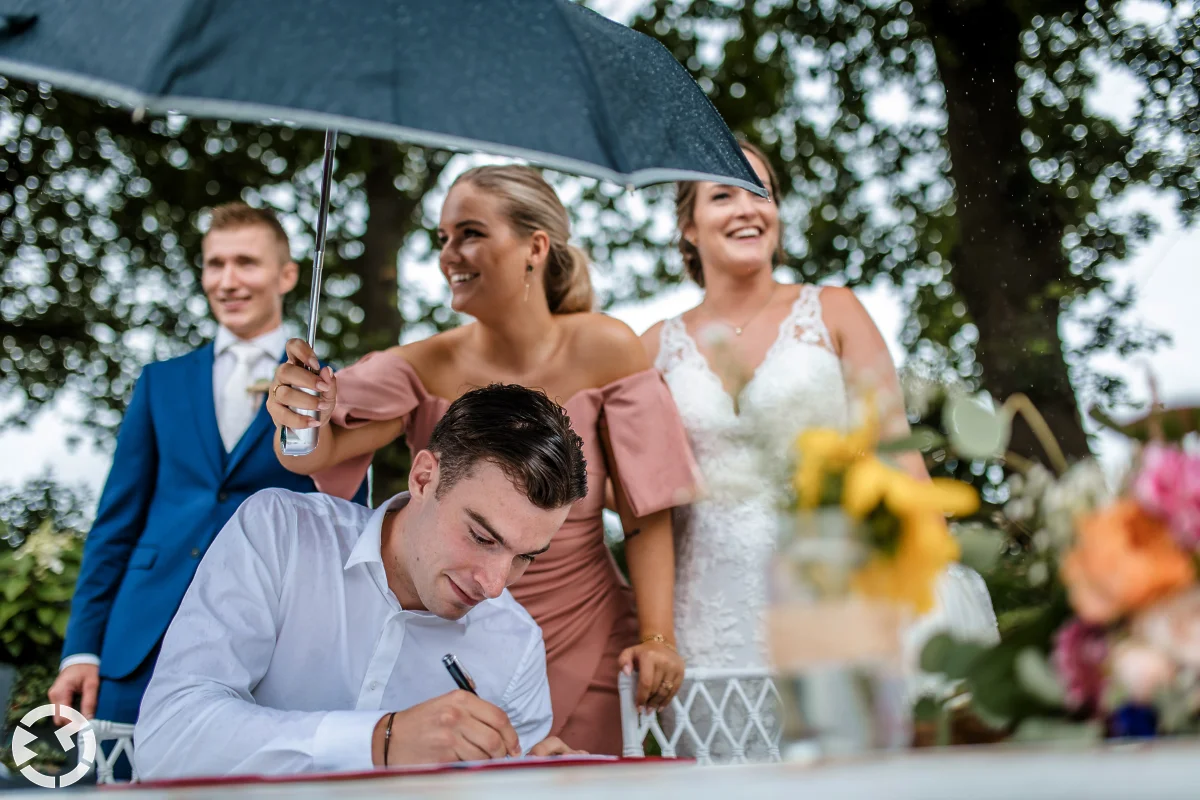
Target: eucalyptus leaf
{"x":936,"y":652}
{"x":1038,"y":677}
{"x":990,"y":718}
{"x":974,"y":427}
{"x":927,"y":709}
{"x":981,"y":546}
{"x":1059,"y":731}
{"x":951,"y":657}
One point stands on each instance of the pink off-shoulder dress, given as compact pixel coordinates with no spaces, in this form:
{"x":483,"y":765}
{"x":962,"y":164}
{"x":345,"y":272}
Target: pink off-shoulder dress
{"x":574,"y":591}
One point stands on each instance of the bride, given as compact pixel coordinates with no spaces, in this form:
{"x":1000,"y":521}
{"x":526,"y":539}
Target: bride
{"x":760,"y":361}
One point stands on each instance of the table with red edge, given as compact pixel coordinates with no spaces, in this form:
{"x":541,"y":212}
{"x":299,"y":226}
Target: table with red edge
{"x":1161,"y":770}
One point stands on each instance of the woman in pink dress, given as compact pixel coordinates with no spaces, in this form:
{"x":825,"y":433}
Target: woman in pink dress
{"x":504,"y":252}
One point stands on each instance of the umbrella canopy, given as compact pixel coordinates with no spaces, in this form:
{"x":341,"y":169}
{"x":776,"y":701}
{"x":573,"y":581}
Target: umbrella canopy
{"x":544,"y":80}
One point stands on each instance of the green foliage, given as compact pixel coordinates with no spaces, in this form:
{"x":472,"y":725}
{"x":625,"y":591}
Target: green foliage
{"x":37,"y":580}
{"x":1009,"y":683}
{"x":24,"y":508}
{"x":96,"y":283}
{"x":33,"y":683}
{"x":997,"y":126}
{"x":1016,"y":599}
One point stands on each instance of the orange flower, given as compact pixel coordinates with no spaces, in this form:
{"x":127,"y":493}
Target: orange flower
{"x":1123,"y":559}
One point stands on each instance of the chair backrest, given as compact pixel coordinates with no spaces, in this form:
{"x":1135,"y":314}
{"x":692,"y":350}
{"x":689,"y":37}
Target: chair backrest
{"x":106,"y":758}
{"x":719,"y":716}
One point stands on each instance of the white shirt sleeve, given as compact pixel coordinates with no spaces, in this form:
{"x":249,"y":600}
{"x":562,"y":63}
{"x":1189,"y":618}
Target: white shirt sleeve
{"x":527,"y":698}
{"x":79,"y":658}
{"x":198,"y":716}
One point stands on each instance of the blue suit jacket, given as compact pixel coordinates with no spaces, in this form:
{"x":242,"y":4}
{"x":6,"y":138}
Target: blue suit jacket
{"x":171,"y":489}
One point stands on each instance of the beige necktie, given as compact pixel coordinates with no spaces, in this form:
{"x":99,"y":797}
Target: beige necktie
{"x":237,"y":405}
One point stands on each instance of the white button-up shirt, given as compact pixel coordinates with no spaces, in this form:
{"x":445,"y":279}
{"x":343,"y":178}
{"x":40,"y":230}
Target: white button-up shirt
{"x":289,"y":647}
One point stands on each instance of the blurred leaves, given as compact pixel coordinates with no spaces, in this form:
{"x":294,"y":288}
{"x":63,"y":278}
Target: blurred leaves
{"x":860,"y":106}
{"x":1007,"y":682}
{"x":950,"y":148}
{"x":100,"y":225}
{"x":36,"y":584}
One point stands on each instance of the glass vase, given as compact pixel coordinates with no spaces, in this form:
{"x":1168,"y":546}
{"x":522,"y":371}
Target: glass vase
{"x":837,"y":655}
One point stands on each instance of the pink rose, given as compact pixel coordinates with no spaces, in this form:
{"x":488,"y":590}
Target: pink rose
{"x":1141,"y":670}
{"x":1173,"y":627}
{"x":1168,"y":486}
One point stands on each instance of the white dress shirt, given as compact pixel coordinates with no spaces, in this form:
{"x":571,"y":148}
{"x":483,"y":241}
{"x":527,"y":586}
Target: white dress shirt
{"x":289,"y":647}
{"x":271,"y":345}
{"x":269,"y":351}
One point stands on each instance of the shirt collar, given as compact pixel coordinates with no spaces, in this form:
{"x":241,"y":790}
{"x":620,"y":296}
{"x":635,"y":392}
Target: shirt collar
{"x":271,"y":343}
{"x":368,"y":550}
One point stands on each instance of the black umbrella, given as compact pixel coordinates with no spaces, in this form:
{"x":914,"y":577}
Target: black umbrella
{"x":544,"y":80}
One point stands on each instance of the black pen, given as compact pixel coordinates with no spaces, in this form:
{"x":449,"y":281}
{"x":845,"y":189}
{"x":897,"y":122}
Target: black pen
{"x":461,"y":678}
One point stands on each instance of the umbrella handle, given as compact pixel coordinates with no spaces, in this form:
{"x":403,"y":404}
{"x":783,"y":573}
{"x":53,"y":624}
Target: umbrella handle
{"x":302,"y":442}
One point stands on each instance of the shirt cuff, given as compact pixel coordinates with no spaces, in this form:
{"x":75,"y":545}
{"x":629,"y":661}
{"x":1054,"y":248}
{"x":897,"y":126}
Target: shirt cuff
{"x":79,"y":658}
{"x":342,"y":742}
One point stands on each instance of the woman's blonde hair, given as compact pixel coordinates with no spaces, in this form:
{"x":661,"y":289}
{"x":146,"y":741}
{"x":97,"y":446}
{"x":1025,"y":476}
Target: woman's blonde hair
{"x":685,"y":214}
{"x":532,"y":205}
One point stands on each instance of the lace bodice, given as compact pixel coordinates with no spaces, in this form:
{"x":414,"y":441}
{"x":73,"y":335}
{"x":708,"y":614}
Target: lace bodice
{"x":725,"y":541}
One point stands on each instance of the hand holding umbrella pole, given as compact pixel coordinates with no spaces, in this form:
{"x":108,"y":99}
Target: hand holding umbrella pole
{"x":302,"y":442}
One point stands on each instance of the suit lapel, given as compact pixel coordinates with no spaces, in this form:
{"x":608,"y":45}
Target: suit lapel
{"x":260,"y":427}
{"x":204,"y":409}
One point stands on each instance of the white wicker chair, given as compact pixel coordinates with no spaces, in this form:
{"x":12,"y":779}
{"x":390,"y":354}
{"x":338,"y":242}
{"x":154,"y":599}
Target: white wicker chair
{"x":715,"y":716}
{"x":123,"y":734}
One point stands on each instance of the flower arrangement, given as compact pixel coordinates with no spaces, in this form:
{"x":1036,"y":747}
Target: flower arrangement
{"x":1116,"y":649}
{"x":863,"y":546}
{"x":897,"y":520}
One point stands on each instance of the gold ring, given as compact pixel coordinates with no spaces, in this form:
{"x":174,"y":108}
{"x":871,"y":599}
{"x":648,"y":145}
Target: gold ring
{"x":275,"y":392}
{"x":667,"y":686}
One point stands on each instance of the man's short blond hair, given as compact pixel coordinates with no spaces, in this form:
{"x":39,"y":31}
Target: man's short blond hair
{"x":240,"y":215}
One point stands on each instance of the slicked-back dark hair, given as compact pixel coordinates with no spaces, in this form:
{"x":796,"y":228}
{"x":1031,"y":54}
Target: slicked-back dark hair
{"x":523,"y":432}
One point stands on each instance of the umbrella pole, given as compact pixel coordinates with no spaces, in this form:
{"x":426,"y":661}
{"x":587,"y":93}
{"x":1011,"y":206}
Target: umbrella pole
{"x":314,"y":298}
{"x":302,"y":442}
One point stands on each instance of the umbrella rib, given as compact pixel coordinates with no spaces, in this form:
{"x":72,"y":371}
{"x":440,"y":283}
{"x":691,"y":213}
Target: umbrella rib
{"x":610,"y":140}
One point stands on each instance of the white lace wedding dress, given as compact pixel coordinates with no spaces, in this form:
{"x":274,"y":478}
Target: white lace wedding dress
{"x":724,"y":542}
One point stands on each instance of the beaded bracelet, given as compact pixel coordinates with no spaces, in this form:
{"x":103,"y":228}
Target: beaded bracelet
{"x":387,"y":737}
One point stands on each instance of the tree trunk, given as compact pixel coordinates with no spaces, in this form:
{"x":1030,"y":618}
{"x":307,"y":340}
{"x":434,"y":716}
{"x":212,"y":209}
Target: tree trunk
{"x":1007,"y":254}
{"x":387,"y":224}
{"x":391,"y":217}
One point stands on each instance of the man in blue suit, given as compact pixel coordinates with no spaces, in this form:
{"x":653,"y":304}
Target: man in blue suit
{"x":195,"y":442}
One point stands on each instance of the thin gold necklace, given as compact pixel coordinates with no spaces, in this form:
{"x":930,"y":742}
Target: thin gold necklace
{"x":737,"y":329}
